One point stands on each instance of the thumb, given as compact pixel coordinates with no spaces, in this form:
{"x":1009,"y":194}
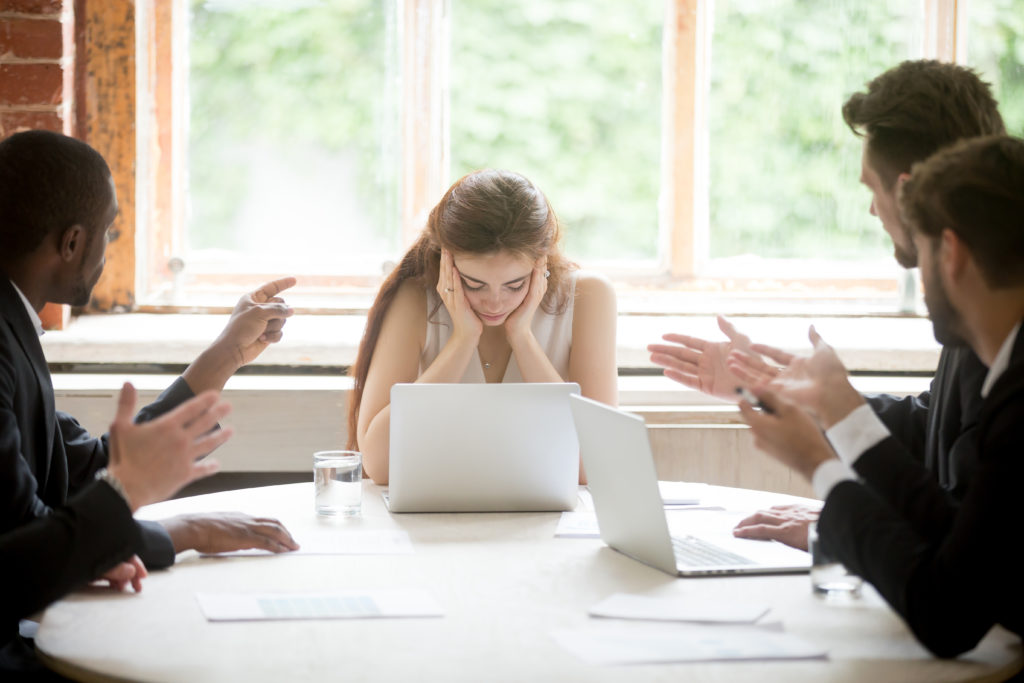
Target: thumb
{"x":816,"y":340}
{"x":126,"y":403}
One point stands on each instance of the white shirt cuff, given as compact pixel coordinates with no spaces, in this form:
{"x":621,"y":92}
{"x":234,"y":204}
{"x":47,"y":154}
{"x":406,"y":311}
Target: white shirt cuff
{"x":856,"y":433}
{"x":828,"y":474}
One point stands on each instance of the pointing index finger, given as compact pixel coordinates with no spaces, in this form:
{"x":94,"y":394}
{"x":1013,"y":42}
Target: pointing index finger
{"x":273,"y":288}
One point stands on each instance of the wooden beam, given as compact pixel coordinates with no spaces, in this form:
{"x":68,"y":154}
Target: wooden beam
{"x":105,"y":118}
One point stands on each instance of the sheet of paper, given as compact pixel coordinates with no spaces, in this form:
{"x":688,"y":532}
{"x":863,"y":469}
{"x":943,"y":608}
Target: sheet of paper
{"x":682,"y":492}
{"x":329,"y":540}
{"x":628,"y":606}
{"x":683,"y":643}
{"x":577,"y":525}
{"x":351,"y":604}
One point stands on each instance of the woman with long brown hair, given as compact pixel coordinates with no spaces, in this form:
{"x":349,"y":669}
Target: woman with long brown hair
{"x":484,"y":295}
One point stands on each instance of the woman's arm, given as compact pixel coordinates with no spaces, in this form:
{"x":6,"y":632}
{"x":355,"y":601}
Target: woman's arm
{"x":592,"y":362}
{"x":396,"y":359}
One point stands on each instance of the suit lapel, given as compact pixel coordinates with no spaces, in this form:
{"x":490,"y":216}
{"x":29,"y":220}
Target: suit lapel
{"x":13,"y":311}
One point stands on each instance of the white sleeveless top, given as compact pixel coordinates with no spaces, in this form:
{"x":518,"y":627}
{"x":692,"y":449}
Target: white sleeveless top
{"x":553,"y":333}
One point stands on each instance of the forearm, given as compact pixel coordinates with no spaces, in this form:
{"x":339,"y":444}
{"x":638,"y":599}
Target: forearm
{"x":374,"y":444}
{"x":211,"y":369}
{"x":534,"y":364}
{"x":451,"y":363}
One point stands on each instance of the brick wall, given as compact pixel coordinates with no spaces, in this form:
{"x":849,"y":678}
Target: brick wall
{"x":37,"y":78}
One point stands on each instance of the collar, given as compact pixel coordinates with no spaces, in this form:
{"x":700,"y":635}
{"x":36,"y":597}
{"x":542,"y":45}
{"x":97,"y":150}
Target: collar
{"x":32,"y":315}
{"x":1001,"y":362}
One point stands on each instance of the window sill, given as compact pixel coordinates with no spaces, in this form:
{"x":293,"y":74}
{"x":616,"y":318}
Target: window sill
{"x":327,"y":343}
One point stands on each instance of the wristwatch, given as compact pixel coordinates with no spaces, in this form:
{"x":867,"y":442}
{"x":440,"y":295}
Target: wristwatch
{"x":114,"y":483}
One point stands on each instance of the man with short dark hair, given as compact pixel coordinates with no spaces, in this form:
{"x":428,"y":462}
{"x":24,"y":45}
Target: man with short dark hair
{"x":904,"y":115}
{"x":57,"y":202}
{"x":936,"y":561}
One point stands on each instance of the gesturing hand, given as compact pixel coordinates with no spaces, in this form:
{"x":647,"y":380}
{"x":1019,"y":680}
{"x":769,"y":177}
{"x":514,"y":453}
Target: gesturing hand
{"x":466,"y":325}
{"x":256,"y":321}
{"x":224,"y":532}
{"x":702,"y":365}
{"x":787,"y":433}
{"x":519,"y":322}
{"x":154,"y":459}
{"x":818,"y":382}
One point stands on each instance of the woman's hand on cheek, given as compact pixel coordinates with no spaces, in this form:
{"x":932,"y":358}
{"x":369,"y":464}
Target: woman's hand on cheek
{"x":518,"y":323}
{"x":466,"y":324}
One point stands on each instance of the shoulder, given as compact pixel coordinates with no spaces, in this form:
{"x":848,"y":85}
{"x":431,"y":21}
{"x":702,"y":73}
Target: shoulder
{"x":593,"y":290}
{"x":408,"y":310}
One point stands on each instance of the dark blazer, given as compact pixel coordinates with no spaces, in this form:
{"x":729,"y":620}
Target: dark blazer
{"x":942,"y":565}
{"x":45,"y":455}
{"x":42,"y":560}
{"x":936,"y":427}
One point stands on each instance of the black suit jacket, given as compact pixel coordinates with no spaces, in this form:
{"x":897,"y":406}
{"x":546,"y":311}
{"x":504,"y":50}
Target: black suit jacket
{"x":45,"y":455}
{"x":50,"y":556}
{"x":936,"y":427}
{"x":942,"y":565}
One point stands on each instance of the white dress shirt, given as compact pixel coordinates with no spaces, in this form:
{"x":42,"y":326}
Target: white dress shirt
{"x":33,"y":316}
{"x":861,"y":429}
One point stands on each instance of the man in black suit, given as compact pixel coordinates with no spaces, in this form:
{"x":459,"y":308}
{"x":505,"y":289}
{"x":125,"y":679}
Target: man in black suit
{"x":942,"y":565}
{"x":905,"y":115}
{"x":44,"y":559}
{"x":57,"y":202}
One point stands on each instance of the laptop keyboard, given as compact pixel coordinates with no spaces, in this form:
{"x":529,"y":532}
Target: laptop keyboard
{"x":695,"y":552}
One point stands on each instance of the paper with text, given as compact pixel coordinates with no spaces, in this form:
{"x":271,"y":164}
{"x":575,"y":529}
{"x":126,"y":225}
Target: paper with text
{"x":677,"y":608}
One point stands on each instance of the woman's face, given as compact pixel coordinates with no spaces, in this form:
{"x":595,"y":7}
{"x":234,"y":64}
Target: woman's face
{"x":495,"y":284}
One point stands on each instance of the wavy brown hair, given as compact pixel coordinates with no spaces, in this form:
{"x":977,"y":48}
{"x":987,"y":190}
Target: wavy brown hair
{"x":482,"y":213}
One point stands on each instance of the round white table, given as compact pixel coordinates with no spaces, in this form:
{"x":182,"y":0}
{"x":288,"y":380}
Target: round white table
{"x":504,"y":582}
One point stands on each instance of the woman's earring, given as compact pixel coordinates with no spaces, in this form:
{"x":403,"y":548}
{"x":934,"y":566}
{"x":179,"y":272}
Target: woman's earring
{"x":547,"y":273}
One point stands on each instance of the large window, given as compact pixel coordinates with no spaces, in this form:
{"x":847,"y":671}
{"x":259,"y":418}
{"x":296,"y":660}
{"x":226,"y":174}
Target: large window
{"x":687,"y":143}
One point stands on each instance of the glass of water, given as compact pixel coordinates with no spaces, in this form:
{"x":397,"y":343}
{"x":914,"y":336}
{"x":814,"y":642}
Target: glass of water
{"x":337,"y":480}
{"x":828,"y":576}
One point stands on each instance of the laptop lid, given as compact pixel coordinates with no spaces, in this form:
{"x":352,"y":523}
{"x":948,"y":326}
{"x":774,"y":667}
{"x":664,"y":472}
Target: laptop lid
{"x":622,"y":480}
{"x":482,"y":448}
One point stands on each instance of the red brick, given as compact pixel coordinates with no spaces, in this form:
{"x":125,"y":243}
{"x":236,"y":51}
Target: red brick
{"x":31,"y":38}
{"x":13,"y":121}
{"x":22,"y":84}
{"x":31,"y":6}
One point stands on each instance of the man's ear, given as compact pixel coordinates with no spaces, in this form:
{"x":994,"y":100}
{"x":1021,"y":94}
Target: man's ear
{"x":953,"y":256}
{"x":72,"y":242}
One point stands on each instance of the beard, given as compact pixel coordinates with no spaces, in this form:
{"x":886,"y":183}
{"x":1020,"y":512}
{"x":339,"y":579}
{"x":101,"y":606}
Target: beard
{"x":947,"y":324}
{"x":81,"y":290}
{"x":905,"y":257}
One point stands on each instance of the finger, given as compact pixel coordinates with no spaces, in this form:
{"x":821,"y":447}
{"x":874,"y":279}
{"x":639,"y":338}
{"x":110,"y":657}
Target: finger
{"x":668,"y":361}
{"x":273,"y":288}
{"x":761,"y":532}
{"x":270,"y":311}
{"x":201,"y":470}
{"x":209,"y":442}
{"x":686,"y":379}
{"x":191,"y":409}
{"x":274,"y":325}
{"x":732,"y":333}
{"x":680,"y":352}
{"x":126,"y":403}
{"x":778,"y":355}
{"x":276,"y":531}
{"x":770,"y":401}
{"x":207,"y":421}
{"x":746,"y":374}
{"x":686,"y":340}
{"x":271,"y":337}
{"x":816,"y":340}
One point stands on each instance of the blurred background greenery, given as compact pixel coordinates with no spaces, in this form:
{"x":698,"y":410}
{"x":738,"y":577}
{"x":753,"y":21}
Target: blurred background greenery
{"x":293,"y":119}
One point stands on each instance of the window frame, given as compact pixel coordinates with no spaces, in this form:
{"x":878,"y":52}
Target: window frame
{"x":129,"y":75}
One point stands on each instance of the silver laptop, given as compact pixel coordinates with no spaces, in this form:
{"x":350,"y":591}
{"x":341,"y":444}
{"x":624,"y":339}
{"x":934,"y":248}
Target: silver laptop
{"x":620,"y":472}
{"x":482,"y":448}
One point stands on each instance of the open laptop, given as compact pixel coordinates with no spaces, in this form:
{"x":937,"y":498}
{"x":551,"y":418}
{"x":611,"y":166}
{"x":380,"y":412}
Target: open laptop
{"x":624,"y":485}
{"x":482,"y":448}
